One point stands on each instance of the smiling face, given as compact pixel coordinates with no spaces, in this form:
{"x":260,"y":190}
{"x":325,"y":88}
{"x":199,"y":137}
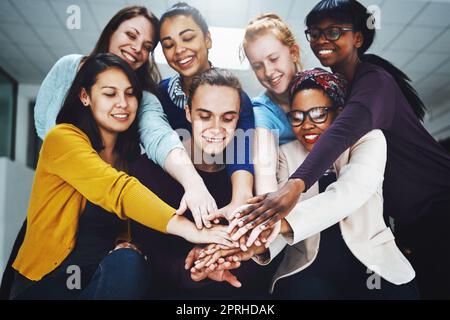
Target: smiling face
{"x":184,"y":45}
{"x":133,"y":41}
{"x":336,"y":53}
{"x":273,"y":62}
{"x":308,"y":133}
{"x":214,"y":116}
{"x":112,"y":101}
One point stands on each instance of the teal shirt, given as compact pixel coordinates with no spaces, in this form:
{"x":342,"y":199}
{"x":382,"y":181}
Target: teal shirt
{"x":157,"y":136}
{"x":271,"y":116}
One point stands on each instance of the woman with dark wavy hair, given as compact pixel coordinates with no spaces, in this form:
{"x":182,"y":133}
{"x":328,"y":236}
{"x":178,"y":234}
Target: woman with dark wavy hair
{"x":132,"y":34}
{"x":82,"y":196}
{"x":185,"y":41}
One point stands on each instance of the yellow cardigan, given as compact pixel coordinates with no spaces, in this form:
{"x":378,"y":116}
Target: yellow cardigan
{"x":68,"y":172}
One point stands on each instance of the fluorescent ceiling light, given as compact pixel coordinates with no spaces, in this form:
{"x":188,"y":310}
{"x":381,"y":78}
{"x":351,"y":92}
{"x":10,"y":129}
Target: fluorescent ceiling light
{"x":225,"y":49}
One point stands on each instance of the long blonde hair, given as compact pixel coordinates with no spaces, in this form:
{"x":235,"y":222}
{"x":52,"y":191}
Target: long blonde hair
{"x":270,"y":23}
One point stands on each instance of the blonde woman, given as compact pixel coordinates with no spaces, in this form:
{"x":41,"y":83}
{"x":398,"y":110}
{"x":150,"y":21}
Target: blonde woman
{"x":274,"y":56}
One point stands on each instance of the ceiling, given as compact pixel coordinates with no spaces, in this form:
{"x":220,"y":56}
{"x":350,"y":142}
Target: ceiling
{"x":414,"y":35}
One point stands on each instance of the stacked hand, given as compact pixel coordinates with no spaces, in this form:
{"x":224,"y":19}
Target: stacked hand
{"x":201,"y":204}
{"x":262,"y":215}
{"x":214,"y":271}
{"x":215,"y":261}
{"x":265,"y":212}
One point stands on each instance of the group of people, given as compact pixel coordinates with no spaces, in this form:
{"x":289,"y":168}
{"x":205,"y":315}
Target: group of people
{"x":325,"y":186}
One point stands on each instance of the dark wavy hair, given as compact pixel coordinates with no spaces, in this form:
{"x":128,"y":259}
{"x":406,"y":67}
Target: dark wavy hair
{"x":183,"y":9}
{"x":148,"y":74}
{"x":354,"y":13}
{"x":74,"y":112}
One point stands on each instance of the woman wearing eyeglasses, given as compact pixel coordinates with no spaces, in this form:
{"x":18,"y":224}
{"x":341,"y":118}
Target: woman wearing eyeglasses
{"x":416,"y":186}
{"x":339,"y":245}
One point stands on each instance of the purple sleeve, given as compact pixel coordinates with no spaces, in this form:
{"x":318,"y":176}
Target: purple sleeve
{"x":371,"y":105}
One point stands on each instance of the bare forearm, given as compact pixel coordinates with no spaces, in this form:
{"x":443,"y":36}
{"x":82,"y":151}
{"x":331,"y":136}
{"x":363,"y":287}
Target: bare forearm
{"x":242,"y":182}
{"x":180,"y":226}
{"x":265,"y":161}
{"x":179,"y":165}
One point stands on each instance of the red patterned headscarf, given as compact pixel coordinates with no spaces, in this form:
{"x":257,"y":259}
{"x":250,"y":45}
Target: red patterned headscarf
{"x":332,"y":83}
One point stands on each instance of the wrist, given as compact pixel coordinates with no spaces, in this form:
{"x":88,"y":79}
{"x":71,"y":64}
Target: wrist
{"x":240,"y":199}
{"x":194,"y":183}
{"x":178,"y":226}
{"x":173,"y":225}
{"x":297,"y":184}
{"x":259,"y":250}
{"x":285,"y":227}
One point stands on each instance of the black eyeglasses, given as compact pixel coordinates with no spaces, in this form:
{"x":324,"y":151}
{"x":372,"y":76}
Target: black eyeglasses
{"x":316,"y":115}
{"x":331,"y":33}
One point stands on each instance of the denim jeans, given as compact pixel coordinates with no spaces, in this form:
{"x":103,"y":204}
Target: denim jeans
{"x":121,"y":275}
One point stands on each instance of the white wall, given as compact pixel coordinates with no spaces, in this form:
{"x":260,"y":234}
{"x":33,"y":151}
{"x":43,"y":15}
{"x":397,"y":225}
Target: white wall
{"x":26,"y":93}
{"x":15,"y":177}
{"x":15,"y":188}
{"x":437,"y":121}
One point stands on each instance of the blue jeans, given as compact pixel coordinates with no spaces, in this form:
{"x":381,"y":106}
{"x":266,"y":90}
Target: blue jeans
{"x":121,"y":275}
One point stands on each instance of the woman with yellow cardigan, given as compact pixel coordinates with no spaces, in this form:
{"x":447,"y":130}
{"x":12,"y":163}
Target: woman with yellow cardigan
{"x":82,"y":196}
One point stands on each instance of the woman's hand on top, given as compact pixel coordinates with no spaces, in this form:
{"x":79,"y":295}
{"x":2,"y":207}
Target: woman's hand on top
{"x":183,"y":227}
{"x":228,"y":212}
{"x":266,"y":210}
{"x":202,"y":205}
